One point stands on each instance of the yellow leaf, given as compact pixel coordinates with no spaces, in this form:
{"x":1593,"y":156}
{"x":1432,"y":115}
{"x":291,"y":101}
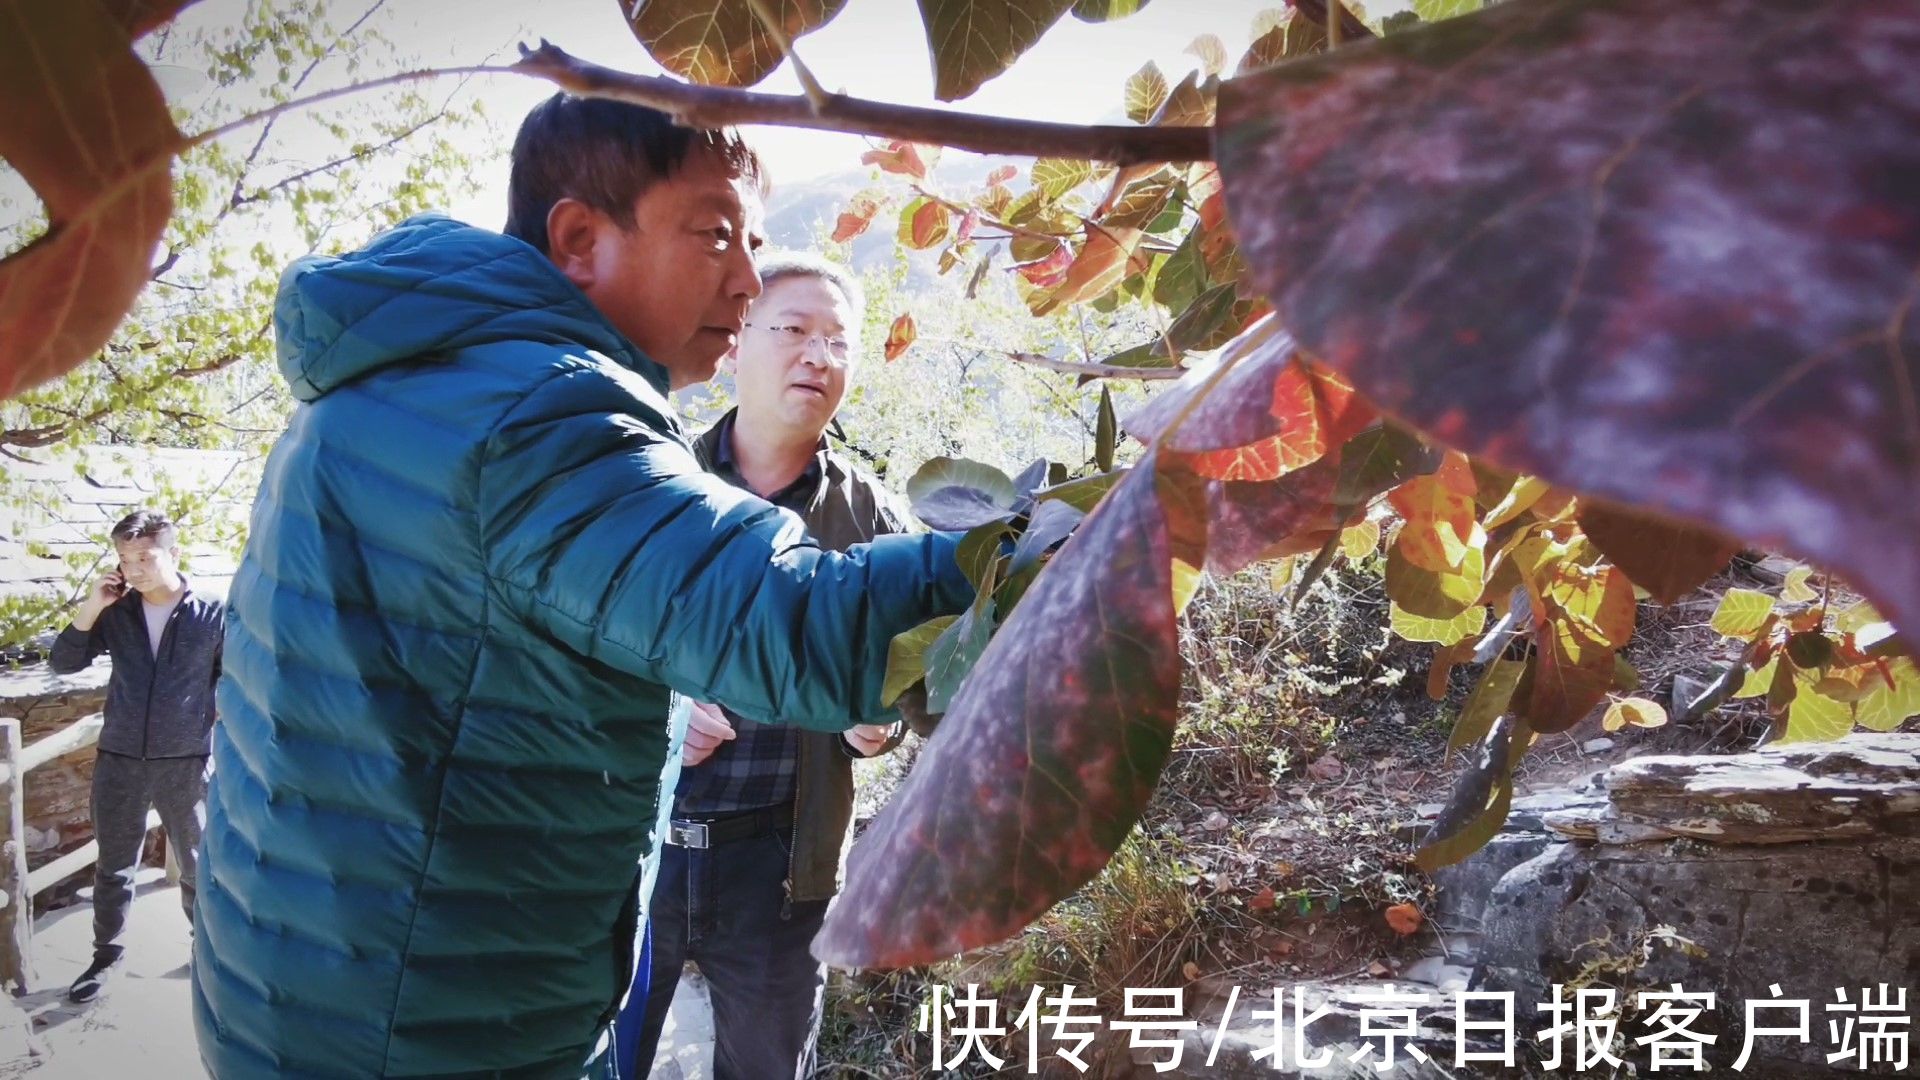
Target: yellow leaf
{"x":1437,"y":594}
{"x":1439,"y":631}
{"x":1887,"y":707}
{"x":1741,"y":613}
{"x":1815,"y":716}
{"x":1519,"y":499}
{"x":1637,"y":712}
{"x":1795,"y":588}
{"x":1360,"y":541}
{"x":1282,"y":574}
{"x":1857,"y":618}
{"x":1186,"y":582}
{"x":1758,"y":680}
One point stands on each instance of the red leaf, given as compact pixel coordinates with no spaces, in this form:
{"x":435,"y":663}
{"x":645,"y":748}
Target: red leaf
{"x":1043,"y":764}
{"x":899,"y":157}
{"x":968,"y":222}
{"x":855,"y":219}
{"x":1050,"y":271}
{"x":87,"y":129}
{"x":900,"y":336}
{"x":1698,"y":305}
{"x":1001,"y":175}
{"x":1239,"y":523}
{"x":1273,"y":413}
{"x":1667,"y":559}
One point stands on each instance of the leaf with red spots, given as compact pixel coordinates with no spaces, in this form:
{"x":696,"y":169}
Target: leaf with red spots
{"x":1044,"y":762}
{"x":85,"y":127}
{"x":1660,"y":253}
{"x":900,"y":337}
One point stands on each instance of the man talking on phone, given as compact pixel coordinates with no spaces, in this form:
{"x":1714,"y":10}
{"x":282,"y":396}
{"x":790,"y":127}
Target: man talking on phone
{"x":165,"y":640}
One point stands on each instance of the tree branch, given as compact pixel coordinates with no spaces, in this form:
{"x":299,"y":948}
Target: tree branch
{"x":362,"y":154}
{"x":1097,"y":371}
{"x":713,"y":106}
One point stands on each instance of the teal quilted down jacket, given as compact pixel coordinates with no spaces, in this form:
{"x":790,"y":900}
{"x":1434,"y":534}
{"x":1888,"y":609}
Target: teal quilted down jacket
{"x":482,"y":563}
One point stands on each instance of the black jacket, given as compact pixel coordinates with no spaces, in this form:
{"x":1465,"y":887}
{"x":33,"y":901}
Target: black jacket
{"x":155,"y":708}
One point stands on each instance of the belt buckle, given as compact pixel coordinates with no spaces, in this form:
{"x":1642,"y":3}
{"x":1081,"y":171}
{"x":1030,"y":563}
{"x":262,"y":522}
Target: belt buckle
{"x":687,"y":834}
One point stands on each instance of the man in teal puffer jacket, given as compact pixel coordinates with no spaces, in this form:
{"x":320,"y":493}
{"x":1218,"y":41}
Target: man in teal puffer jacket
{"x":483,"y":566}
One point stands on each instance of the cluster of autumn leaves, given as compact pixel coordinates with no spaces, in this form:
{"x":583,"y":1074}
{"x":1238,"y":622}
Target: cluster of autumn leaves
{"x":1267,"y":457}
{"x":1156,"y":233}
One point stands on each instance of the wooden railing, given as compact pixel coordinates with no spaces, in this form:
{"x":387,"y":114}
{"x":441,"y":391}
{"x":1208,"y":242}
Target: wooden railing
{"x":18,"y":886}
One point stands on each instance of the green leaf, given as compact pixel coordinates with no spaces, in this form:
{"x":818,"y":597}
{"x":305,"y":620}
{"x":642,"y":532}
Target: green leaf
{"x":1095,"y":11}
{"x":1183,"y":277}
{"x":1085,"y":493}
{"x":906,"y":657}
{"x":1435,"y":10}
{"x":1053,"y":521}
{"x":1489,"y":699}
{"x":1106,"y":433}
{"x":1380,"y":459}
{"x":1142,"y":202}
{"x":1055,"y":177}
{"x":956,"y":651}
{"x":1741,"y":613}
{"x":1145,"y":92}
{"x":957,"y":493}
{"x":1439,"y":631}
{"x":974,"y":40}
{"x":722,"y":42}
{"x":980,"y":549}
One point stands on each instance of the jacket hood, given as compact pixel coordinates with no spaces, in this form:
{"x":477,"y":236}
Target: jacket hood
{"x":429,"y":285}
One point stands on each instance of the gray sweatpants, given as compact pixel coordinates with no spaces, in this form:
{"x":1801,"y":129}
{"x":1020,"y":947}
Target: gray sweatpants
{"x":123,"y":789}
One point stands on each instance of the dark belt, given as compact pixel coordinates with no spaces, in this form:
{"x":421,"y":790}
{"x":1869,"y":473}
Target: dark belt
{"x":708,"y":832}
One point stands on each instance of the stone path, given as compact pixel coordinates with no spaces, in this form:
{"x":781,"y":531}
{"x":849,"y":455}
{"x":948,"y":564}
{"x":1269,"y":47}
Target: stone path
{"x":143,"y":1025}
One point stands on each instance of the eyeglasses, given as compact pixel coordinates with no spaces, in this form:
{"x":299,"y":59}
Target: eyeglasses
{"x":794,"y":337}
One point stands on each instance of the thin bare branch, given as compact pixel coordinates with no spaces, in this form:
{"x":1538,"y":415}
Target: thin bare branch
{"x":345,"y":159}
{"x":1098,"y":371}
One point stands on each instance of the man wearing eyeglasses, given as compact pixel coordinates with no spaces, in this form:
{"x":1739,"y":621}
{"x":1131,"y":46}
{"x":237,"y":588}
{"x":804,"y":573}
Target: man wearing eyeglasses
{"x":761,"y":811}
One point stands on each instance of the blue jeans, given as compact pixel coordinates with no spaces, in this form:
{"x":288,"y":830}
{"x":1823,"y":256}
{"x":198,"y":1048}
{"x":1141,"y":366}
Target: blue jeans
{"x":725,"y":909}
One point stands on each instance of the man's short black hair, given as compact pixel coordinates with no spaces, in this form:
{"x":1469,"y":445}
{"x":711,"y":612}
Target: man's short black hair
{"x":144,"y":524}
{"x":605,"y":154}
